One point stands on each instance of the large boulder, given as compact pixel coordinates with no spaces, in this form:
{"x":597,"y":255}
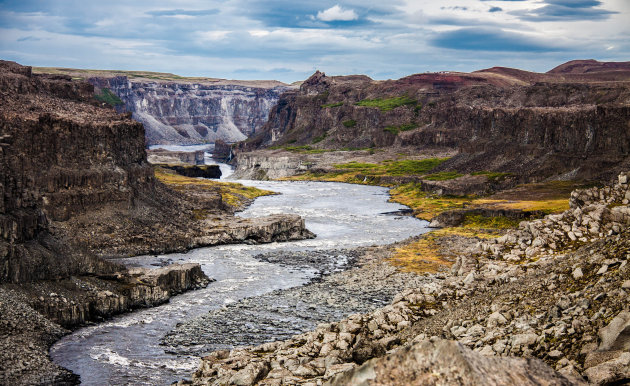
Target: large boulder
{"x":444,"y":362}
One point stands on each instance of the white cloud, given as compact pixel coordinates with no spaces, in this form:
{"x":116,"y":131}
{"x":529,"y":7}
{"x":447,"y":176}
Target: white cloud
{"x":213,"y":35}
{"x":336,"y":13}
{"x":258,"y":33}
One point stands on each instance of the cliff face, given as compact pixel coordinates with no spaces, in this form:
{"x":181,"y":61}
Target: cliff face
{"x":190,"y":113}
{"x":570,"y":120}
{"x":60,"y":156}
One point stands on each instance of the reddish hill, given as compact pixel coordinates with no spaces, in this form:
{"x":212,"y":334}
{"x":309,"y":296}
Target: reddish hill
{"x":589,"y":66}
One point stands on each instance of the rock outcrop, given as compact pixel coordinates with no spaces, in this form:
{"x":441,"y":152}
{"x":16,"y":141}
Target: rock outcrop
{"x":195,"y":171}
{"x":536,"y":126}
{"x":443,"y":362}
{"x":191,"y":112}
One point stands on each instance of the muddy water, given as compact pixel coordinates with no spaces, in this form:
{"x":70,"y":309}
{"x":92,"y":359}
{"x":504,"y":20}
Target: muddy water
{"x":126,"y":349}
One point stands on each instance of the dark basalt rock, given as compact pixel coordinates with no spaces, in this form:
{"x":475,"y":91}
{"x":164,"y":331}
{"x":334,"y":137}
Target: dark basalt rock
{"x":195,"y":171}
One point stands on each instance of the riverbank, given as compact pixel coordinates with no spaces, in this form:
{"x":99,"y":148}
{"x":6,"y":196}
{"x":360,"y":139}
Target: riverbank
{"x":554,"y":289}
{"x":346,"y":282}
{"x":35,"y":315}
{"x":340,"y":214}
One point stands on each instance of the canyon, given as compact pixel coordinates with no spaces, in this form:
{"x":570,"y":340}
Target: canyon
{"x":178,"y":110}
{"x":76,"y":188}
{"x":524,"y":175}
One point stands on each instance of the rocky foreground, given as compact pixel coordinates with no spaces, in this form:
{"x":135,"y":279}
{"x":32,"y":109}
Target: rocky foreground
{"x":553,"y":292}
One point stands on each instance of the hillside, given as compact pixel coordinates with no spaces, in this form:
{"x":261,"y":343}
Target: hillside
{"x":499,"y":119}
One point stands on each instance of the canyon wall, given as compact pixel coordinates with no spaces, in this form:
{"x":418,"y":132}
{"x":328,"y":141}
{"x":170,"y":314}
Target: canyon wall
{"x":187,"y":112}
{"x":536,"y":125}
{"x":61,"y":155}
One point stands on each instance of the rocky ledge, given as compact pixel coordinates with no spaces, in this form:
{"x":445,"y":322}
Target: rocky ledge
{"x":35,"y":315}
{"x":542,"y":292}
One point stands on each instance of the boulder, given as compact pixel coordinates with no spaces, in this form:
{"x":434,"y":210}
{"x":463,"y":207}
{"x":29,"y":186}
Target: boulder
{"x":444,"y":362}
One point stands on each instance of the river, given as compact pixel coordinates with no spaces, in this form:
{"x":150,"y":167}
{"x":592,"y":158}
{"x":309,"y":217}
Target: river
{"x":126,"y":349}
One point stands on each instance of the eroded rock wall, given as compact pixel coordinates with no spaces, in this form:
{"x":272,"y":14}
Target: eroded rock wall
{"x":532,"y":125}
{"x":191,"y":113}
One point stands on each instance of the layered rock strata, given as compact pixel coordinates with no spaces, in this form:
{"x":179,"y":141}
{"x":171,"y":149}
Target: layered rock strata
{"x":532,"y":125}
{"x":192,"y":112}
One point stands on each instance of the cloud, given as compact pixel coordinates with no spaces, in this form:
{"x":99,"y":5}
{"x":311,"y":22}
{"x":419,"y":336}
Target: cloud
{"x":182,"y":12}
{"x":484,"y":39}
{"x":565,"y":10}
{"x":213,"y":35}
{"x":336,"y":13}
{"x":495,"y":9}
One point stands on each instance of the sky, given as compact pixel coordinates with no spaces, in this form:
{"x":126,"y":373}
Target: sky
{"x":288,"y":40}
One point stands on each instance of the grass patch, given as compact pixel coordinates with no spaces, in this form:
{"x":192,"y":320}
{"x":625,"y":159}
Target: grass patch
{"x":320,"y":138}
{"x":413,"y":167}
{"x":107,"y":96}
{"x":421,"y":256}
{"x":482,"y":222}
{"x":397,"y":129}
{"x":233,"y":194}
{"x":305,"y":149}
{"x":349,"y":123}
{"x":442,"y":176}
{"x":330,"y":105}
{"x":425,"y":205}
{"x":387,"y":104}
{"x":492,"y":176}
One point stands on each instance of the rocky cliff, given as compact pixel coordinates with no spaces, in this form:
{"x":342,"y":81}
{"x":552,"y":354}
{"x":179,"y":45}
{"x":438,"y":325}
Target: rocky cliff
{"x":573,"y":120}
{"x":75,"y":185}
{"x":191,"y":112}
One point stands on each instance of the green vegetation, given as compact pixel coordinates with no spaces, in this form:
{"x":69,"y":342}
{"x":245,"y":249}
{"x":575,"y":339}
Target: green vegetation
{"x":414,"y":167}
{"x":394,"y":168}
{"x":492,"y":176}
{"x":396,"y":129}
{"x":338,"y":104}
{"x":233,"y":194}
{"x":442,"y":176}
{"x":387,"y":104}
{"x":305,"y":149}
{"x":320,"y":138}
{"x":349,"y":123}
{"x":497,"y":222}
{"x":107,"y":96}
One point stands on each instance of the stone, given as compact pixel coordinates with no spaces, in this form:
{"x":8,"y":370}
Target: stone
{"x":616,"y":335}
{"x":251,"y":374}
{"x":609,"y":372}
{"x":447,"y":362}
{"x":496,"y":319}
{"x":577,"y":273}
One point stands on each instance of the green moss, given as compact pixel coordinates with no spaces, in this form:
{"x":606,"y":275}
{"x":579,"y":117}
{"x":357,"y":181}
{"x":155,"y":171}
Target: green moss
{"x":305,"y":149}
{"x":356,"y":165}
{"x":349,"y":123}
{"x":387,"y":104}
{"x":492,"y":176}
{"x":396,"y":129}
{"x":106,"y":96}
{"x":442,"y":176}
{"x":329,"y":105}
{"x":416,"y":167}
{"x":320,"y":138}
{"x":497,"y":222}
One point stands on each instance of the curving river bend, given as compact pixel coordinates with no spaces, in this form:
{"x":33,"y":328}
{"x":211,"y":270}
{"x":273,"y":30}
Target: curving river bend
{"x":126,"y":350}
